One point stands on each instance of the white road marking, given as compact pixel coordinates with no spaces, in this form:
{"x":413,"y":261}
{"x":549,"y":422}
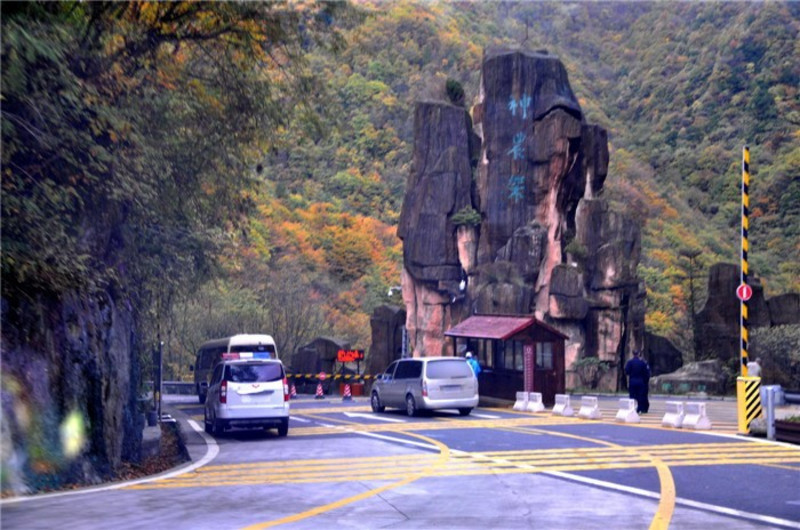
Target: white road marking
{"x":372,"y":417}
{"x":212,"y":450}
{"x":487,"y":416}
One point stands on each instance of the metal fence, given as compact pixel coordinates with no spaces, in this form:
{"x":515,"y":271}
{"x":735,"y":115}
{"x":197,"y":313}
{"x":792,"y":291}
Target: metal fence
{"x":173,"y":387}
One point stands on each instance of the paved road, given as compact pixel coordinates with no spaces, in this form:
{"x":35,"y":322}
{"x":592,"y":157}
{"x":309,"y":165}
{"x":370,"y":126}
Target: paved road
{"x":342,"y":466}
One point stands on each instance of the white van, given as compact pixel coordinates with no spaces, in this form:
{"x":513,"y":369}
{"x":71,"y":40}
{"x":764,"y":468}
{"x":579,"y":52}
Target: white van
{"x":210,"y":353}
{"x":247,"y":390}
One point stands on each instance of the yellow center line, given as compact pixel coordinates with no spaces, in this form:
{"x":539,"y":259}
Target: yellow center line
{"x":613,"y":456}
{"x":444,"y":456}
{"x":666,"y":503}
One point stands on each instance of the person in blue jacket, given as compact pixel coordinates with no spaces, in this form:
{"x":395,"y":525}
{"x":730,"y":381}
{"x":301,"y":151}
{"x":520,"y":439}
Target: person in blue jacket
{"x":638,"y":373}
{"x":473,"y":363}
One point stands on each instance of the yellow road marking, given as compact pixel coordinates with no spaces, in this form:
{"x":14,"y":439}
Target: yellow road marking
{"x":666,"y":502}
{"x":335,"y":469}
{"x":614,"y":456}
{"x":444,"y":456}
{"x":520,"y":418}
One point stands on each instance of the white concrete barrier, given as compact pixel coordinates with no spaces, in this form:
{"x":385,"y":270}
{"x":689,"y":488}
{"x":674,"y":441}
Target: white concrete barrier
{"x":674,"y":415}
{"x":589,"y":410}
{"x":696,"y":417}
{"x":627,"y":411}
{"x":535,"y":402}
{"x":562,"y":406}
{"x":522,"y":401}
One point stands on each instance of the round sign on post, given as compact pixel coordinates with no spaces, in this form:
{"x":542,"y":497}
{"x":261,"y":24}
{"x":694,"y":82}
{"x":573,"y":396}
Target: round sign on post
{"x":744,"y":292}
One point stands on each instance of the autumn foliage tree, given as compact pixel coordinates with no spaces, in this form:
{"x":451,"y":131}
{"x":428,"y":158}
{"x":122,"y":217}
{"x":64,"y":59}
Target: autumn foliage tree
{"x":129,"y":131}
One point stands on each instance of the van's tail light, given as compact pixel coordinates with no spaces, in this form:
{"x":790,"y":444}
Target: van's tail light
{"x":425,"y":388}
{"x":223,"y":392}
{"x":285,"y":389}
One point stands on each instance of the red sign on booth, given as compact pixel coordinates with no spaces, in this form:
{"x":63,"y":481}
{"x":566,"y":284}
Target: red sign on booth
{"x":744,"y":292}
{"x":349,"y":356}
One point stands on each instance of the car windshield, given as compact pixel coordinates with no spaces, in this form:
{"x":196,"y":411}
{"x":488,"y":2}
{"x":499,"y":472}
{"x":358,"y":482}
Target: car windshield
{"x":254,"y":373}
{"x":457,"y":368}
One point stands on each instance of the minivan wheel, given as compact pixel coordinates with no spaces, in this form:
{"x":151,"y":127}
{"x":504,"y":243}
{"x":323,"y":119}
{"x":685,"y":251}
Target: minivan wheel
{"x":206,"y":423}
{"x":217,"y":428}
{"x":375,"y":401}
{"x":283,"y":428}
{"x":411,"y":405}
{"x":465,"y":411}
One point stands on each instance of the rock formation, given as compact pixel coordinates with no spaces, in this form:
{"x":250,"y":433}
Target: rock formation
{"x":661,"y":354}
{"x":387,"y":323}
{"x":703,"y":376}
{"x":507,"y":217}
{"x":78,"y":360}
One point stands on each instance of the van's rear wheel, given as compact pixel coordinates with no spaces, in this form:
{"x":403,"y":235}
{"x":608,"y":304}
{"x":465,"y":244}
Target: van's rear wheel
{"x":411,"y":405}
{"x":464,"y":411}
{"x":283,"y":428}
{"x":217,"y":427}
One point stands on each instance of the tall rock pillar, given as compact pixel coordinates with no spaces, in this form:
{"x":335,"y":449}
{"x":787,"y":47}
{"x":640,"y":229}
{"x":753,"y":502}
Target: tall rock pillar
{"x":530,"y":234}
{"x":438,"y":188}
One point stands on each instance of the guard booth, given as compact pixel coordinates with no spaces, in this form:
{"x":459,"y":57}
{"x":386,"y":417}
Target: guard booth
{"x":516,"y":353}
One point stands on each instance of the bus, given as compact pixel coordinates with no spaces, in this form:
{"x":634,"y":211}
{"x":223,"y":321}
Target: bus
{"x":212,"y":351}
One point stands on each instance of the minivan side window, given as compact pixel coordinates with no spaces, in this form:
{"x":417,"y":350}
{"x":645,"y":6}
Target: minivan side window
{"x":390,"y":371}
{"x":455,"y":369}
{"x":409,"y":370}
{"x":206,"y":357}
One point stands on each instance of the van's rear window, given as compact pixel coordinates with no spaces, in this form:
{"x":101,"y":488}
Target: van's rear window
{"x":448,"y":369}
{"x":238,"y":348}
{"x":254,"y":373}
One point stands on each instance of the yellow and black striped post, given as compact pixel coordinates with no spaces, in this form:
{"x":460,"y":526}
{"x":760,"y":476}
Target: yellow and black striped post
{"x":745,"y":247}
{"x":748,"y":389}
{"x":748,"y":402}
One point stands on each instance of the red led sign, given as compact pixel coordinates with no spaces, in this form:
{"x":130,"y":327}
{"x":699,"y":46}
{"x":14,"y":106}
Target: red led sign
{"x":348,"y":356}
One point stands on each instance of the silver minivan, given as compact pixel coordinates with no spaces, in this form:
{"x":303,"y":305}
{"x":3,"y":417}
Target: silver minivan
{"x":428,"y":383}
{"x":247,"y":392}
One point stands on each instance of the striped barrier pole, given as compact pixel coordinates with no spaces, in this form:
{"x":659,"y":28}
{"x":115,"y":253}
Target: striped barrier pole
{"x":748,"y":394}
{"x":744,"y":290}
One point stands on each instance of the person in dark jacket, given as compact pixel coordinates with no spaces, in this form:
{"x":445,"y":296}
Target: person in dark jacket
{"x":638,"y":373}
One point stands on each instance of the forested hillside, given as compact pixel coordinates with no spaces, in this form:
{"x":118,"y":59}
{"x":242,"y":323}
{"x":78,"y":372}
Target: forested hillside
{"x":263,"y":187}
{"x":681,"y":88}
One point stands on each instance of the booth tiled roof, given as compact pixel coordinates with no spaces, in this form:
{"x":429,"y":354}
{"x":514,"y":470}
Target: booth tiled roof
{"x":495,"y":327}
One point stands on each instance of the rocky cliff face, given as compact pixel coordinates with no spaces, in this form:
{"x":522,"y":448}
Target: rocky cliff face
{"x":511,"y":209}
{"x":69,"y":391}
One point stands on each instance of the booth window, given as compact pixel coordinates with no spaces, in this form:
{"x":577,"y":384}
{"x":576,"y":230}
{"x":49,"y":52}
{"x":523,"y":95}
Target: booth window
{"x":484,"y":350}
{"x":544,"y":355}
{"x":514,"y":359}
